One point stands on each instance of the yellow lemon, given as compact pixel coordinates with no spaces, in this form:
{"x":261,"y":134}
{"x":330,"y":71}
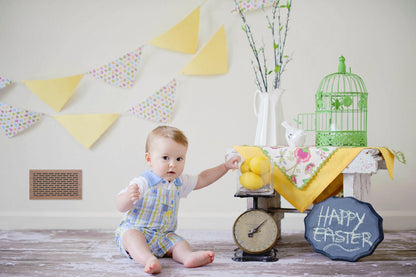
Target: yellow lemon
{"x":245,"y":166}
{"x":259,"y":165}
{"x":251,"y":181}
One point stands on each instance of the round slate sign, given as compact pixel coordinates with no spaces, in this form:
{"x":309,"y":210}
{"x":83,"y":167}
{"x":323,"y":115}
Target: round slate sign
{"x":344,"y":228}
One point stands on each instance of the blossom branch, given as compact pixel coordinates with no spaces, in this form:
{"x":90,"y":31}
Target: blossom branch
{"x":279,"y":37}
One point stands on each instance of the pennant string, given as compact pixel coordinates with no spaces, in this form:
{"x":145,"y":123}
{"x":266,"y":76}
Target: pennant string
{"x":111,"y":72}
{"x":88,"y":128}
{"x":121,"y":73}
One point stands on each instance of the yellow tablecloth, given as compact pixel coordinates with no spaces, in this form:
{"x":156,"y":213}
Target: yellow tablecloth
{"x":327,"y":182}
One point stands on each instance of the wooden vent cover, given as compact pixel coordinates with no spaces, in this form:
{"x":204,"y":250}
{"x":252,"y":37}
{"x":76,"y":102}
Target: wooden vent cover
{"x":55,"y":184}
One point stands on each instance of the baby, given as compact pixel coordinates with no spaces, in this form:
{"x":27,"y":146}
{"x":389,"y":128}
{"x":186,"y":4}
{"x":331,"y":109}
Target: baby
{"x":150,"y":203}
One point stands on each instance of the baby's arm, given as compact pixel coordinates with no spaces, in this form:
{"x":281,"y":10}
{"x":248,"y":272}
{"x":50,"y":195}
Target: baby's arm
{"x":125,"y":200}
{"x":209,"y":176}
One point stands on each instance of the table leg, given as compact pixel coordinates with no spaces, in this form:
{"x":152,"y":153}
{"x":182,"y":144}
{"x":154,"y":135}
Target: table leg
{"x":357,"y":185}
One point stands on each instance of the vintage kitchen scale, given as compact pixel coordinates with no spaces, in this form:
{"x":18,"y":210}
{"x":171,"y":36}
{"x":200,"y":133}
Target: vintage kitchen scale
{"x":255,"y":231}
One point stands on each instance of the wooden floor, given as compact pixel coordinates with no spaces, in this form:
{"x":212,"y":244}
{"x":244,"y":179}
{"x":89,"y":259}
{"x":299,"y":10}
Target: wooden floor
{"x":93,"y":253}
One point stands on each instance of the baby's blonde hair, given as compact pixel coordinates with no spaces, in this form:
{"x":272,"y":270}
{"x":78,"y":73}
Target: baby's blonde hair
{"x":167,"y":132}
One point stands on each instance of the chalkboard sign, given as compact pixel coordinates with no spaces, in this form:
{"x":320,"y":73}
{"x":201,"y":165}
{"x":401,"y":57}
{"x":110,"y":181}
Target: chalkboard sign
{"x":344,"y":228}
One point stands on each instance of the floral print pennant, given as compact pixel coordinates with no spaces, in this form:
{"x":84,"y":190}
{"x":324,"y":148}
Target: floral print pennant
{"x":4,"y":82}
{"x":14,"y":120}
{"x":159,"y":106}
{"x":120,"y":72}
{"x":250,"y":5}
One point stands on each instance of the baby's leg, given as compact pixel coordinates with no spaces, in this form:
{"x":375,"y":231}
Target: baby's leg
{"x":182,"y":253}
{"x":135,"y":243}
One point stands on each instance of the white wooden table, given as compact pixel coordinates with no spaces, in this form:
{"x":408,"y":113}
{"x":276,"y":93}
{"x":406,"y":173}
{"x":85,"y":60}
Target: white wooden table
{"x":357,"y":175}
{"x":356,"y":183}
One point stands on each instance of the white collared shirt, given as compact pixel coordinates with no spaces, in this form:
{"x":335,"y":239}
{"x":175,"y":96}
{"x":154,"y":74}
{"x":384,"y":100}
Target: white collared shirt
{"x":188,"y":185}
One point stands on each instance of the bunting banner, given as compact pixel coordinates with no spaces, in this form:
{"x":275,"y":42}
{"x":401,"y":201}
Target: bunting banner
{"x":87,"y":128}
{"x":55,"y":92}
{"x":120,"y":72}
{"x":212,"y":59}
{"x":14,"y":120}
{"x":183,"y":37}
{"x":4,"y":82}
{"x":250,"y":5}
{"x":159,"y":106}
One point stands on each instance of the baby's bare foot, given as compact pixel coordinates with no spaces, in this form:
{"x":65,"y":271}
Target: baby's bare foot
{"x":199,"y":258}
{"x":152,"y":266}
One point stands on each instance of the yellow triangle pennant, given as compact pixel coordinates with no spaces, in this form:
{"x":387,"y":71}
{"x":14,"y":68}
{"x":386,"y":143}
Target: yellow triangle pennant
{"x":183,"y":37}
{"x":87,"y":128}
{"x":212,"y":59}
{"x":55,"y":92}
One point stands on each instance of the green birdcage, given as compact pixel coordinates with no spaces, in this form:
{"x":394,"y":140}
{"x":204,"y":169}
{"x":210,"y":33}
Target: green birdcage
{"x":340,"y":116}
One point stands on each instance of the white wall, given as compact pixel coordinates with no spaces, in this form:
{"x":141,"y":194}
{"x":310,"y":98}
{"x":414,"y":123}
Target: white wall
{"x":51,"y":39}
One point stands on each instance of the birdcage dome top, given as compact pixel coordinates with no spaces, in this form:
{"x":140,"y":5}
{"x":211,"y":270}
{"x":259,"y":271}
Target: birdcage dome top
{"x":342,"y":82}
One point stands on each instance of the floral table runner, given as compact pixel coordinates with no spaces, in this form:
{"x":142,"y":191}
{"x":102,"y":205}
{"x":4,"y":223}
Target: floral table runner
{"x":322,"y":179}
{"x":299,"y":164}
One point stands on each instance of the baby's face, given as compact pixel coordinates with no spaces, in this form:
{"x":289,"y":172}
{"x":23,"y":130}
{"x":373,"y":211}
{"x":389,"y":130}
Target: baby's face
{"x":166,"y":158}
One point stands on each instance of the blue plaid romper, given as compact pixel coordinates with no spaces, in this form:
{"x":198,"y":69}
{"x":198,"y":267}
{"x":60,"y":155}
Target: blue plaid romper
{"x":154,"y":215}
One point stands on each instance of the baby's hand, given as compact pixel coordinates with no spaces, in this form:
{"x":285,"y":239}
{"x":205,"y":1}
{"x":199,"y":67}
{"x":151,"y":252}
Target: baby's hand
{"x":133,"y":192}
{"x":232,"y":163}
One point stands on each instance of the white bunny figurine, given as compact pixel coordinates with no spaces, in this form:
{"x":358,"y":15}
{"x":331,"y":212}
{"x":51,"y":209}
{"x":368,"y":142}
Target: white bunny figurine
{"x":294,"y":137}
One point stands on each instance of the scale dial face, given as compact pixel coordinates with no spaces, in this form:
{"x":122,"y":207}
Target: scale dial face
{"x":255,"y":231}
